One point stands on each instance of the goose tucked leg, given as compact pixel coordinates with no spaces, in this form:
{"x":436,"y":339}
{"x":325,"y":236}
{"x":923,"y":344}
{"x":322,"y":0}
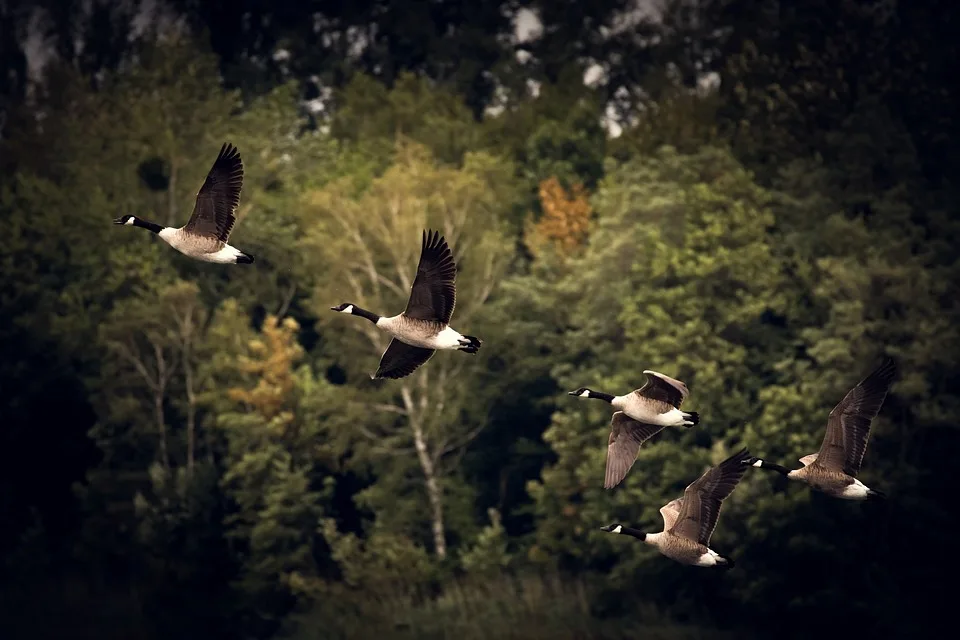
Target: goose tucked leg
{"x":469,"y":344}
{"x":691,"y":419}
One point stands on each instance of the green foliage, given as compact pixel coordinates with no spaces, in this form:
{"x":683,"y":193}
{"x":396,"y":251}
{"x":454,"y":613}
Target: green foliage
{"x":372,"y":116}
{"x":274,"y":465}
{"x":236,"y":474}
{"x":532,"y":605}
{"x":489,"y":553}
{"x":557,"y":134}
{"x":681,"y":263}
{"x":413,"y":433}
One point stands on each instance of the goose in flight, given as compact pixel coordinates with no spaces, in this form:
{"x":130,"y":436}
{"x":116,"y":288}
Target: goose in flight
{"x":642,"y":414}
{"x":833,"y":470}
{"x":206,"y":233}
{"x":689,"y":521}
{"x":424,"y":326}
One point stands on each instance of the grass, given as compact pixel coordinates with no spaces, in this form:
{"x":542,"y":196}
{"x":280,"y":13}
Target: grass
{"x":501,"y":607}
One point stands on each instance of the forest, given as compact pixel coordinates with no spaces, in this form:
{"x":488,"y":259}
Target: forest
{"x":759,"y":198}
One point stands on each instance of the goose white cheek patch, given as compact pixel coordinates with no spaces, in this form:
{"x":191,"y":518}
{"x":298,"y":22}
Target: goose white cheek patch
{"x":347,"y":309}
{"x":618,"y":529}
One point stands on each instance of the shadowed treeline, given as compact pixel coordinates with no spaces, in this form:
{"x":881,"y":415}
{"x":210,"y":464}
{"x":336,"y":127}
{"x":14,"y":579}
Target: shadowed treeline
{"x":197,"y":451}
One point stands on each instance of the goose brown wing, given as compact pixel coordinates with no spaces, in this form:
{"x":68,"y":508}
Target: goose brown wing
{"x":626,"y":436}
{"x":670,"y":511}
{"x":704,"y":497}
{"x":663,"y":389}
{"x":848,"y":426}
{"x":433,"y":294}
{"x":214,"y":213}
{"x":401,"y":359}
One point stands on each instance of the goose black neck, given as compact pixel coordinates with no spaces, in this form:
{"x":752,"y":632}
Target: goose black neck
{"x":600,"y":395}
{"x":146,"y":224}
{"x":363,"y":313}
{"x":769,"y":466}
{"x":636,"y":533}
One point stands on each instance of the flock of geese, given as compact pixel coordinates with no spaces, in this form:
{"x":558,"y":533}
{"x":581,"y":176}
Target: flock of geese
{"x":424,"y":328}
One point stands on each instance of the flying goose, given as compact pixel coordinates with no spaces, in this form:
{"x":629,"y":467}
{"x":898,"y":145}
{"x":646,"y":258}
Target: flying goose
{"x":643,"y":414}
{"x":205,"y":235}
{"x":689,"y":521}
{"x":833,"y":470}
{"x":423,"y":327}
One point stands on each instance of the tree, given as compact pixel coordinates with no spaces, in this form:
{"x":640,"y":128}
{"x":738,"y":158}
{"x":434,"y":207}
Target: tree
{"x":557,"y":133}
{"x":261,"y":45}
{"x":371,"y":115}
{"x":565,"y":219}
{"x":358,"y":238}
{"x":683,"y":268}
{"x":278,"y":461}
{"x":147,"y":357}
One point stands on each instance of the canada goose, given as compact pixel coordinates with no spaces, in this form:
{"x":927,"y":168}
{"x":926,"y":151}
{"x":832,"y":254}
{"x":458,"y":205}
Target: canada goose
{"x":833,"y":470}
{"x":643,"y":414}
{"x":656,"y":402}
{"x":205,"y":235}
{"x":423,"y":327}
{"x":689,"y":521}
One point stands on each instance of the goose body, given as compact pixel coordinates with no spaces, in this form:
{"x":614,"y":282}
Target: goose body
{"x":641,"y":414}
{"x":657,"y":402}
{"x":206,"y":233}
{"x":833,"y":470}
{"x":424,"y":326}
{"x":422,"y":333}
{"x":689,"y":521}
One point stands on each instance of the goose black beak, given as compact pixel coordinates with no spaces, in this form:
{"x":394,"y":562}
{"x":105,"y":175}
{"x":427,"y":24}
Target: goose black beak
{"x":118,"y":221}
{"x":572,"y":393}
{"x":333,"y":309}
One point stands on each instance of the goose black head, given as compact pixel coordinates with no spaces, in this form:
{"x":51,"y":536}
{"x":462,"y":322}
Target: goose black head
{"x":582,"y":392}
{"x":346,"y":307}
{"x":616,"y":527}
{"x":125,"y":219}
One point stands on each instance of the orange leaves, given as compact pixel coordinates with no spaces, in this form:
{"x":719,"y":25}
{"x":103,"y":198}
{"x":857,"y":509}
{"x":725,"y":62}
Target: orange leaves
{"x":565,"y":220}
{"x":273,"y":358}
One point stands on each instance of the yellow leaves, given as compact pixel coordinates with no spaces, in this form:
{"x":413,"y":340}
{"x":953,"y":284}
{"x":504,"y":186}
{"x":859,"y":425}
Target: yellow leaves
{"x":565,"y":221}
{"x":273,"y":358}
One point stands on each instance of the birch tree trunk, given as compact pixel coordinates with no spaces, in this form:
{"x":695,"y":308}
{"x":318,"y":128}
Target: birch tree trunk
{"x":159,"y":393}
{"x":191,"y":412}
{"x":373,"y":262}
{"x":425,"y":457}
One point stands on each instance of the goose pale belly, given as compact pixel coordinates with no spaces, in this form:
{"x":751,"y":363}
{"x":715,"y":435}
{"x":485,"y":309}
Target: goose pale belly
{"x":831,"y":482}
{"x":639,"y":409}
{"x":205,"y":249}
{"x":683,"y":550}
{"x":421,"y":333}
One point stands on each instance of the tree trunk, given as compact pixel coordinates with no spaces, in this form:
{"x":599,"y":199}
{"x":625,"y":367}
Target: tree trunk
{"x":191,"y":414}
{"x":161,"y":427}
{"x":433,"y":489}
{"x":434,"y":494}
{"x":160,"y":391}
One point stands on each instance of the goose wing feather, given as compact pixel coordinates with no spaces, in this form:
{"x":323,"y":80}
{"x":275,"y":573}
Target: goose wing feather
{"x":214,"y":212}
{"x":703,"y":498}
{"x":626,"y":436}
{"x":434,"y":293}
{"x":848,"y":425}
{"x":663,"y":388}
{"x":401,"y":359}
